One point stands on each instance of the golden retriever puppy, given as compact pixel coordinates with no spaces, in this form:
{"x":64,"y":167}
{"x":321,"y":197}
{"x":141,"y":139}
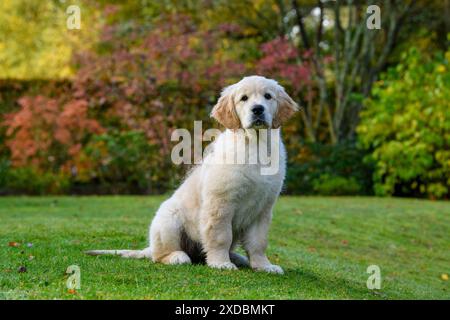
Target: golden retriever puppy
{"x":222,"y":204}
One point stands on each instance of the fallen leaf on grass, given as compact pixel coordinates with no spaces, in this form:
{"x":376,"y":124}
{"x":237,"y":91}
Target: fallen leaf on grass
{"x":72,"y":291}
{"x":444,"y":277}
{"x":13,"y":244}
{"x":30,"y":258}
{"x":344,"y":242}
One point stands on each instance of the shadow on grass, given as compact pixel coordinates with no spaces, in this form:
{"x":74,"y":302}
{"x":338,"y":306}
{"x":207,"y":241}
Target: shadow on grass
{"x":325,"y":286}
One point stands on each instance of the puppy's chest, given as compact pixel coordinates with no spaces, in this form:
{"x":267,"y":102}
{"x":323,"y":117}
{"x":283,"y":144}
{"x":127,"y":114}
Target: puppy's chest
{"x":257,"y":193}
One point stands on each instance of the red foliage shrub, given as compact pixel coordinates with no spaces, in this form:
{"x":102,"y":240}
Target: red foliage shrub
{"x":46,"y":133}
{"x":155,"y":81}
{"x":280,"y":60}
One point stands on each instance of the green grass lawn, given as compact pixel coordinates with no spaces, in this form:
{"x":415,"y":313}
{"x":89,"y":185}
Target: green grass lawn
{"x":324,"y":245}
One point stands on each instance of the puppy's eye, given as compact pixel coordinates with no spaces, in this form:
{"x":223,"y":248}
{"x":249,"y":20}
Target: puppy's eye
{"x":244,"y":98}
{"x":268,"y":96}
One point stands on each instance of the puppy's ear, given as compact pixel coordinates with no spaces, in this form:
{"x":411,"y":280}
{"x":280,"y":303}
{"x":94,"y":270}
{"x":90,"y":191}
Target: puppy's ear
{"x":224,"y":111}
{"x":286,"y":108}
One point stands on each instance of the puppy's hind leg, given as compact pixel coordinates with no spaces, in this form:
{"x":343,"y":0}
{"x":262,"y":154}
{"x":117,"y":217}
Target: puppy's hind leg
{"x":176,"y":257}
{"x":165,"y":237}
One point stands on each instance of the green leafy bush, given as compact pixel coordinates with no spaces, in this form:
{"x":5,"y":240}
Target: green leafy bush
{"x":406,"y":127}
{"x":4,"y":170}
{"x":326,"y":167}
{"x":28,"y":180}
{"x":336,"y":185}
{"x":120,"y":162}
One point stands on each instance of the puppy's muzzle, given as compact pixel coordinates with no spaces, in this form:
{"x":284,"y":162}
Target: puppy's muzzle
{"x":258,"y":117}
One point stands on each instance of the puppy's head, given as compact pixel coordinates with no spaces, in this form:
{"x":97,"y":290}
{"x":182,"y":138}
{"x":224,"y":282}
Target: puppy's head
{"x":254,"y":102}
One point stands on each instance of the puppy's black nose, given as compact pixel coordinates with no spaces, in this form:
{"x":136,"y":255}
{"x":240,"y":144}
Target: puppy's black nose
{"x":258,"y":109}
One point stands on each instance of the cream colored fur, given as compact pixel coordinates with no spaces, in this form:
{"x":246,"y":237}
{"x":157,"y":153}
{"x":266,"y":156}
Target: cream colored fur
{"x":219,"y":206}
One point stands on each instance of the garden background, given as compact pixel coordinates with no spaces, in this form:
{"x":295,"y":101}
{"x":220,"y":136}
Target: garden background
{"x":91,"y":111}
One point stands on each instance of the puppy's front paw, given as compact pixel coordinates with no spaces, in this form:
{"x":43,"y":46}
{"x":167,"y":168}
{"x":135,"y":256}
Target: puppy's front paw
{"x":271,"y":268}
{"x":223,"y":265}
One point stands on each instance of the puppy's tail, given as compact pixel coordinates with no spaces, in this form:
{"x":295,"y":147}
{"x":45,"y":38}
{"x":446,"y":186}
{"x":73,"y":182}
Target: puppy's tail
{"x":134,"y":254}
